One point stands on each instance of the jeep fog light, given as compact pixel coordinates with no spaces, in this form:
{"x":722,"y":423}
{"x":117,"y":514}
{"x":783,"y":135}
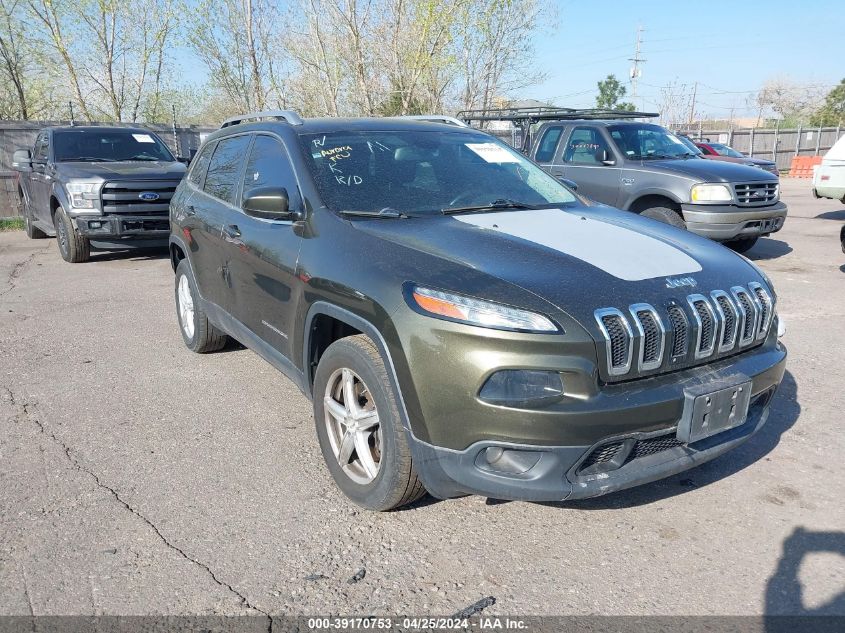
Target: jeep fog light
{"x":710,"y":193}
{"x":522,"y":388}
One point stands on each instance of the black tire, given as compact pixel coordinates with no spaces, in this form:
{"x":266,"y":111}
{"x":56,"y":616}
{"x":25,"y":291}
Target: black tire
{"x":32,"y":232}
{"x":73,"y":247}
{"x":396,"y":483}
{"x":665,"y":215}
{"x":742,"y":245}
{"x":201,"y":336}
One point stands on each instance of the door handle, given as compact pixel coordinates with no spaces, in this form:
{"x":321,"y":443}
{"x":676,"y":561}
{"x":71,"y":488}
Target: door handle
{"x":231,"y":231}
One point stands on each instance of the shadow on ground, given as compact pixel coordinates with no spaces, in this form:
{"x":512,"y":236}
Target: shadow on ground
{"x":130,"y":255}
{"x":783,"y":414}
{"x":832,"y":215}
{"x":784,"y":600}
{"x":767,"y":248}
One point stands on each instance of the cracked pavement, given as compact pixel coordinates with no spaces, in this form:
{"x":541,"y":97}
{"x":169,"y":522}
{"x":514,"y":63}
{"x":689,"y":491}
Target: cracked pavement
{"x":138,"y":478}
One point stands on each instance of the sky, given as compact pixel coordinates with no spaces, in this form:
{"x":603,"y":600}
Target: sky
{"x":729,"y":48}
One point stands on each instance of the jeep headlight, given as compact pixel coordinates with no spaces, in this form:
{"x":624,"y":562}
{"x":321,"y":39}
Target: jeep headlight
{"x":710,"y":193}
{"x":472,"y":311}
{"x":82,"y":194}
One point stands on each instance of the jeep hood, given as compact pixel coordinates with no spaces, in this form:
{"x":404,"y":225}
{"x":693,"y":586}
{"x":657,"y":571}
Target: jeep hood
{"x":123,"y":170}
{"x":704,"y":170}
{"x":575,"y":259}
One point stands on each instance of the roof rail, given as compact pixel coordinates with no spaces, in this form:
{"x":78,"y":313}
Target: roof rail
{"x":543,"y":113}
{"x":435,"y":118}
{"x":289,"y":116}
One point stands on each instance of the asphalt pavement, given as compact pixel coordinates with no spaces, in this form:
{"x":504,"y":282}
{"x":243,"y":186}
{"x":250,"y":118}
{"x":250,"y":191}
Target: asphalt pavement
{"x":139,"y":478}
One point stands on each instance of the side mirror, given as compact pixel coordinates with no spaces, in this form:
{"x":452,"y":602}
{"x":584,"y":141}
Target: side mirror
{"x":184,"y":159}
{"x":22,"y":160}
{"x":606,"y":158}
{"x":569,"y":183}
{"x":269,"y":203}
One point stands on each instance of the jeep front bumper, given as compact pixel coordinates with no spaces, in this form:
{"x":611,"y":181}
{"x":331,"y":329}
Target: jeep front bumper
{"x":729,"y":222}
{"x":648,"y":450}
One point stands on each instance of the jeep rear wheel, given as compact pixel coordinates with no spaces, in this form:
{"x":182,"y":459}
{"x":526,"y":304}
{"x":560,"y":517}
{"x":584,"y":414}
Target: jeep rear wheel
{"x":359,"y":429}
{"x":742,"y":245}
{"x":665,"y":215}
{"x":74,"y":248}
{"x":199,"y":334}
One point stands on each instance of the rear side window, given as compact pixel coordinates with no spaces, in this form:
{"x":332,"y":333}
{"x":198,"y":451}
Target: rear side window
{"x":200,"y":165}
{"x":548,"y":145}
{"x":224,"y":170}
{"x":269,"y":166}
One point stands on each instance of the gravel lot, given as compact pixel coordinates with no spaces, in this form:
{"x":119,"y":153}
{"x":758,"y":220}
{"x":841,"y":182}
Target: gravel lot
{"x":139,"y":478}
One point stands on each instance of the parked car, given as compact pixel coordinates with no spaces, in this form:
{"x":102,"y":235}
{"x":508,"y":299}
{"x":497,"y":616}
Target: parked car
{"x":829,"y":177}
{"x":463,"y":322}
{"x":97,"y":187}
{"x":720,"y":151}
{"x":620,"y":161}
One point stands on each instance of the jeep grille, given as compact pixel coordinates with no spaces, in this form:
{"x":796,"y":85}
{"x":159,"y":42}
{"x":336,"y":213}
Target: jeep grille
{"x":699,"y":329}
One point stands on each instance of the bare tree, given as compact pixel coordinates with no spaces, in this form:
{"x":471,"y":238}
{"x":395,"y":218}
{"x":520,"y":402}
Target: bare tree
{"x":793,"y":102}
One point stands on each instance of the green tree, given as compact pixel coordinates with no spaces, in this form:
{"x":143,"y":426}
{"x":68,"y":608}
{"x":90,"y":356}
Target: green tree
{"x":833,"y":110}
{"x":611,"y":91}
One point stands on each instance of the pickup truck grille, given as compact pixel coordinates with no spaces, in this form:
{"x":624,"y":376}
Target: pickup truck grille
{"x":754,"y":194}
{"x":699,"y":329}
{"x":140,"y":197}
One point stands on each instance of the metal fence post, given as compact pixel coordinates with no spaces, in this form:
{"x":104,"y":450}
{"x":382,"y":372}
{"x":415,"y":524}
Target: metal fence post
{"x":751,"y":144}
{"x":175,"y":136}
{"x":798,"y":142}
{"x":818,"y":140}
{"x":775,"y":144}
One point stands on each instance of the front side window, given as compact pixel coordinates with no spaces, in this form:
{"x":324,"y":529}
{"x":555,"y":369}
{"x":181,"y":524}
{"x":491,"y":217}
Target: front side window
{"x":109,"y":145}
{"x":200,"y":165}
{"x":642,"y":141}
{"x":423,"y":172}
{"x":586,"y":146}
{"x":269,"y":166}
{"x":42,"y":147}
{"x":224,"y":170}
{"x":548,"y":145}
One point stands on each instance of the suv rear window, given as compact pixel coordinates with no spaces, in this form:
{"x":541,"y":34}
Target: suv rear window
{"x":225,"y":168}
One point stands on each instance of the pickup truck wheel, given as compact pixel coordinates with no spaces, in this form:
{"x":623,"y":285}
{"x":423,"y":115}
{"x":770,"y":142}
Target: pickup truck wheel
{"x":665,"y":215}
{"x":73,"y":247}
{"x":32,"y":232}
{"x":742,"y":245}
{"x":359,"y":429}
{"x":198,"y":333}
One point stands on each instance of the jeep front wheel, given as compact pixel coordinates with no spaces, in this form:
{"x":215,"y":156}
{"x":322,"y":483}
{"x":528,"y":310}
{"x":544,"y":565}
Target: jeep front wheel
{"x":359,"y":429}
{"x":74,"y":248}
{"x":665,"y":215}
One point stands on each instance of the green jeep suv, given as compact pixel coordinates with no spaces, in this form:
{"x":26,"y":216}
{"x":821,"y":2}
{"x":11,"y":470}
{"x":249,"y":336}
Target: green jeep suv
{"x":463,"y":322}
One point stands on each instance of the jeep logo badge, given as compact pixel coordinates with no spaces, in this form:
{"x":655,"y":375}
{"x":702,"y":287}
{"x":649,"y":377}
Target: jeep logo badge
{"x":149,"y":196}
{"x":677,"y":282}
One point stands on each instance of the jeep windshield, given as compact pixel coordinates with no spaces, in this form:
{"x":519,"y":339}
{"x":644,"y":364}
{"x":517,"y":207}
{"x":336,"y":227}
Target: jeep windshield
{"x":423,"y":172}
{"x":648,"y":142}
{"x":109,"y":145}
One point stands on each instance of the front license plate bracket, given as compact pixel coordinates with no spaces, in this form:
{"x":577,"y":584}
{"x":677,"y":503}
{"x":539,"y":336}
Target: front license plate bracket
{"x":712,"y":409}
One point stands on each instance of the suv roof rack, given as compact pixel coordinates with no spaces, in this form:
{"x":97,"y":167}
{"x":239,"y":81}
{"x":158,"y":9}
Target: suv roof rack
{"x":435,"y":118}
{"x":289,"y":116}
{"x":543,"y":113}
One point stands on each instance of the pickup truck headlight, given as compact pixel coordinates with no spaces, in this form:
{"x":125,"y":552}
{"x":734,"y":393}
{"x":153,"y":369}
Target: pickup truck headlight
{"x":477,"y":312}
{"x":82,"y":194}
{"x":710,"y":193}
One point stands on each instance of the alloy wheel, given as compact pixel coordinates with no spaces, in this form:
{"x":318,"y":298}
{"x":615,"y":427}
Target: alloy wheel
{"x":352,"y":423}
{"x":186,"y":307}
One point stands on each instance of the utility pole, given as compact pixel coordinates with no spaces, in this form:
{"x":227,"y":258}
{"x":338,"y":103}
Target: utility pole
{"x":692,"y":104}
{"x":635,"y":68}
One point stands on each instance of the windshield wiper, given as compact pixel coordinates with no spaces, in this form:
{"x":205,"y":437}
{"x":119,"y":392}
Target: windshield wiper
{"x":88,"y":159}
{"x":387,"y":212}
{"x":502,"y":203}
